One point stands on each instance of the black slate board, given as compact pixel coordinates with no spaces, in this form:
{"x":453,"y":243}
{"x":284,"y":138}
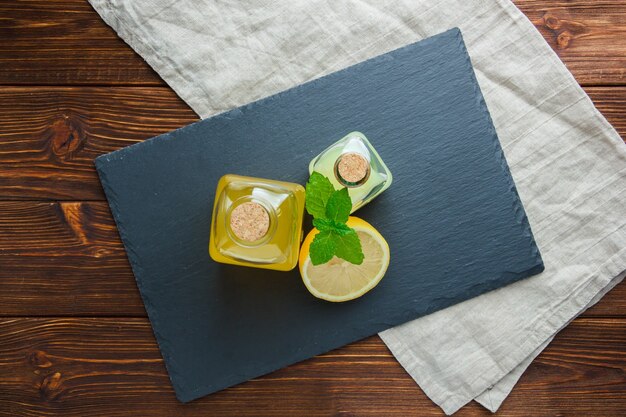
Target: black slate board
{"x":452,"y":217}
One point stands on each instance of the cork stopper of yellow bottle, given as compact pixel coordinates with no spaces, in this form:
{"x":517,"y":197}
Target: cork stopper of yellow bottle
{"x":353,"y":168}
{"x":249,"y":221}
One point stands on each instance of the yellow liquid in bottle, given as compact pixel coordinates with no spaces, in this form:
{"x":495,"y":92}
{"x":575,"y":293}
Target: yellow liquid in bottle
{"x":240,"y":204}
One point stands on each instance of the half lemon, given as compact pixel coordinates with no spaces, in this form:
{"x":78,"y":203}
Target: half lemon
{"x":339,"y":280}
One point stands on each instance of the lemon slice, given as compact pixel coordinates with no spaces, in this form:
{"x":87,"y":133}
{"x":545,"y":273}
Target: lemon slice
{"x":340,"y":280}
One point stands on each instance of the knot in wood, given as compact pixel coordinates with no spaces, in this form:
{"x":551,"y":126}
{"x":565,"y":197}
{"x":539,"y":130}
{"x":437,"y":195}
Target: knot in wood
{"x":50,"y":387}
{"x":39,"y":359}
{"x":551,"y":22}
{"x":65,"y":136}
{"x":562,"y":41}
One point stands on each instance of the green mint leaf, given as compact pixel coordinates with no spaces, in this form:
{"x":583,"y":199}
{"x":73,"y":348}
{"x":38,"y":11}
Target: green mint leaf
{"x":348,"y":247}
{"x":341,"y":228}
{"x":318,"y":190}
{"x":322,"y":248}
{"x":335,"y":239}
{"x":339,"y":206}
{"x":324,"y":224}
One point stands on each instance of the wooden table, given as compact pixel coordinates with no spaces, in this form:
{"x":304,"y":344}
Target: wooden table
{"x":74,"y":337}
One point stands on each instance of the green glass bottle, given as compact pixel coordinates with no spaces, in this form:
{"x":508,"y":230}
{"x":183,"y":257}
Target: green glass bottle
{"x":352,"y":162}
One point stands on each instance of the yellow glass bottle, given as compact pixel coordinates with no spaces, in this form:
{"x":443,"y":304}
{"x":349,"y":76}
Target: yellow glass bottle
{"x":257,"y":222}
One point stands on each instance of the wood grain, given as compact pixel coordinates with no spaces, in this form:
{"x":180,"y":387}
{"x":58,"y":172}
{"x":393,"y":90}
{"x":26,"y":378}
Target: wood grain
{"x":62,"y":42}
{"x":64,"y":259}
{"x":111,"y":367}
{"x":49,"y":137}
{"x":588,"y":36}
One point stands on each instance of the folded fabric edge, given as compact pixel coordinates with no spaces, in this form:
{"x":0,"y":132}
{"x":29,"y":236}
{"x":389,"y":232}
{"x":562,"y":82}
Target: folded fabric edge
{"x":581,"y":300}
{"x":493,"y":398}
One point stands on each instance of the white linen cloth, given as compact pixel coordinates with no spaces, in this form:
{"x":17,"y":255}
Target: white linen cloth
{"x":568,"y":163}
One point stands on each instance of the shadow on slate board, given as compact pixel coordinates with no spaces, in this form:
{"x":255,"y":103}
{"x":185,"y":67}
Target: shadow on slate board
{"x":452,"y":217}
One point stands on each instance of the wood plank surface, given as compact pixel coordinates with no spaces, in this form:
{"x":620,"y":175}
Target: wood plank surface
{"x":62,"y":42}
{"x":50,"y":136}
{"x":111,"y":367}
{"x":63,"y":259}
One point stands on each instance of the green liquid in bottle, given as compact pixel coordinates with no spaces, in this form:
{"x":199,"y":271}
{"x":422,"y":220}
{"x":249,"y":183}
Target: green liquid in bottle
{"x":353,"y":162}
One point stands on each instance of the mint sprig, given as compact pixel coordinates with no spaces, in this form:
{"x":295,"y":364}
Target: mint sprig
{"x":318,"y":191}
{"x":330,"y":209}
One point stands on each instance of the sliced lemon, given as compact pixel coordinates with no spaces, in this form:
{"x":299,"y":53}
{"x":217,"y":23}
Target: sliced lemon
{"x":340,"y":280}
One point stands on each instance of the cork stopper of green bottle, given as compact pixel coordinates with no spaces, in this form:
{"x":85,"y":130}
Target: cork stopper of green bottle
{"x":353,"y":168}
{"x":249,"y":221}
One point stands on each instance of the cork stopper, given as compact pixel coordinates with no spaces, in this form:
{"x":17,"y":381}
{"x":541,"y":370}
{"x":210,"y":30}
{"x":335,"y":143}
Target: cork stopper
{"x":353,"y":168}
{"x":249,"y":221}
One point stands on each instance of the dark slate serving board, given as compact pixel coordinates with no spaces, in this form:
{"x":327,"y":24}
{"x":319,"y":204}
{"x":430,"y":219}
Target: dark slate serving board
{"x":452,"y":216}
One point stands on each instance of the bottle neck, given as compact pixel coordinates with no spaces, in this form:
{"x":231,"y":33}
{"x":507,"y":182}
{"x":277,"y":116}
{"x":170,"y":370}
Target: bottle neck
{"x":352,"y":169}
